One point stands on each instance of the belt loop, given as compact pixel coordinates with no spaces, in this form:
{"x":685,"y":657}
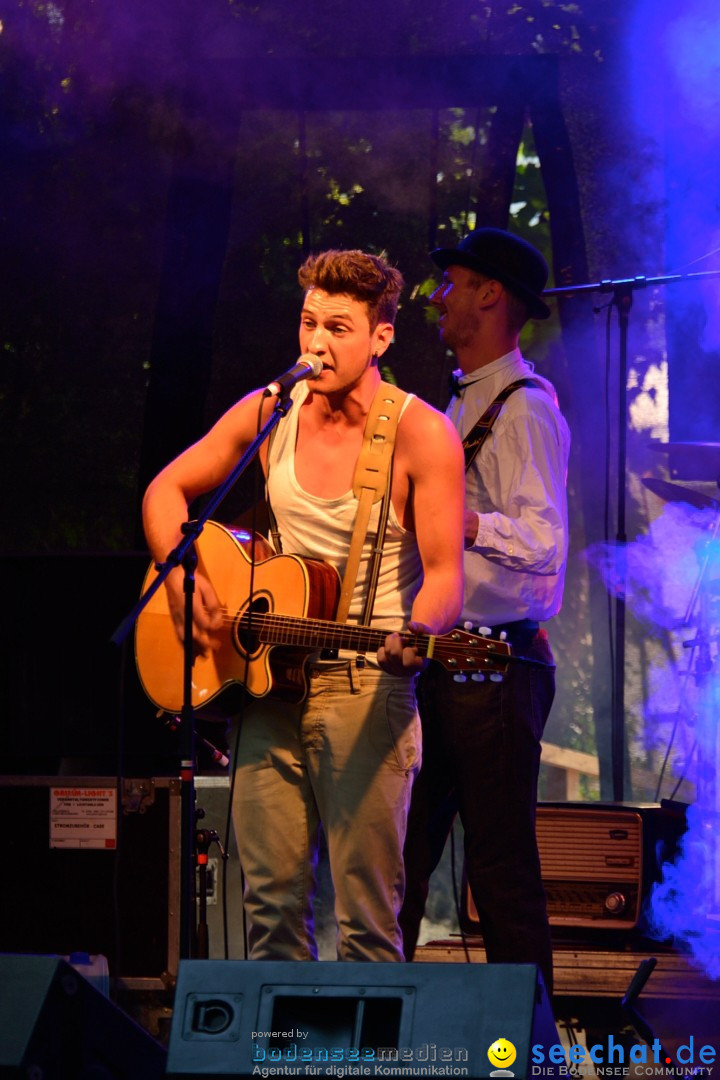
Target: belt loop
{"x":354,"y":677}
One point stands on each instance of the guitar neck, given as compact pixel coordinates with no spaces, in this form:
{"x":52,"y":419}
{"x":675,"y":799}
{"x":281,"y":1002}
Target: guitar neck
{"x":315,"y":634}
{"x":458,"y":651}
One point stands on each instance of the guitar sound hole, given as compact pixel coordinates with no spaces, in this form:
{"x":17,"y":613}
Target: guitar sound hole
{"x":247,"y":635}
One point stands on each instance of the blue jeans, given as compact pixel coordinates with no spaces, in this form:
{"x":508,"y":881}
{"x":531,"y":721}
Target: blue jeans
{"x":481,"y":757}
{"x":343,"y":760}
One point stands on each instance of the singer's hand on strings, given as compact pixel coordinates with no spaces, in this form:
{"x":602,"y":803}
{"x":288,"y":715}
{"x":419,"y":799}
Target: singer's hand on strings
{"x":207,"y":614}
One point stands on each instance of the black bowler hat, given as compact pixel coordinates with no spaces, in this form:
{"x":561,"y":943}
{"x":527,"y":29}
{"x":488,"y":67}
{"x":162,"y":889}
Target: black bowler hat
{"x":507,"y":258}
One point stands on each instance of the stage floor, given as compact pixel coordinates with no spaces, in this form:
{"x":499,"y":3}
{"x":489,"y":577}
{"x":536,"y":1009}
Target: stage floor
{"x":596,"y":971}
{"x":678,"y":1004}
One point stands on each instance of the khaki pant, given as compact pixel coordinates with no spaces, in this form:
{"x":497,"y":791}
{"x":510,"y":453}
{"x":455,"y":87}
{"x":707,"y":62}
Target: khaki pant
{"x":343,"y":760}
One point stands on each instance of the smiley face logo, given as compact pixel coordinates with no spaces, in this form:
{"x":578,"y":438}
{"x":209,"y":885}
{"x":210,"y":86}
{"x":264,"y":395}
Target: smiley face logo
{"x":502,"y":1053}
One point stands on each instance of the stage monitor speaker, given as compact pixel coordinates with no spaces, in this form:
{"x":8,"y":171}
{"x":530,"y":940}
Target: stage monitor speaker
{"x":54,"y":1025}
{"x":598,"y":862}
{"x":245,"y":1018}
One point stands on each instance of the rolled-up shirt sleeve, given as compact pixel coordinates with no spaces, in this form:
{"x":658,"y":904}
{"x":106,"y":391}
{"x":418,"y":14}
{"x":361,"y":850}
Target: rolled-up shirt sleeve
{"x":525,"y":474}
{"x":516,"y":487}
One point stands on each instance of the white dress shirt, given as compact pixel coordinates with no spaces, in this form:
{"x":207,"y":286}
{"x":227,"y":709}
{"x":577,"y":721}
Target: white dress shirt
{"x":517,"y":485}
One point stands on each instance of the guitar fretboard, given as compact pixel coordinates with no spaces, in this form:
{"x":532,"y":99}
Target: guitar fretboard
{"x":314,"y":634}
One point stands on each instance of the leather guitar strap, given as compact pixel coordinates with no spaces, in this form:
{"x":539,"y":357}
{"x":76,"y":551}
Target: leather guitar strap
{"x":475,"y":438}
{"x":371,"y":483}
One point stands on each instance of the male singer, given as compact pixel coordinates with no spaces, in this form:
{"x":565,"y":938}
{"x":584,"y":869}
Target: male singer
{"x":344,"y":760}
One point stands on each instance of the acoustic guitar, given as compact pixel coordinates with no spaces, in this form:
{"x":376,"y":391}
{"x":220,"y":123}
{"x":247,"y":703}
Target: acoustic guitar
{"x":277,"y":611}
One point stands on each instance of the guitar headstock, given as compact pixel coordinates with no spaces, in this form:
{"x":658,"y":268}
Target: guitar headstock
{"x":464,"y":652}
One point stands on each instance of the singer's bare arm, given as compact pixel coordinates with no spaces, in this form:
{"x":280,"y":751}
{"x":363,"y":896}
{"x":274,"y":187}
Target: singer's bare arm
{"x":200,"y":468}
{"x":429,"y":464}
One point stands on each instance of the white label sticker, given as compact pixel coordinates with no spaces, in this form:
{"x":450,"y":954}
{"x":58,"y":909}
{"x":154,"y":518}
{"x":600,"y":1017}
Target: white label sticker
{"x":83,"y":817}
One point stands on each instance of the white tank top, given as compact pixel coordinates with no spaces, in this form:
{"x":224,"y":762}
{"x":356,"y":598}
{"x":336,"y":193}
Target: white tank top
{"x":322,"y":529}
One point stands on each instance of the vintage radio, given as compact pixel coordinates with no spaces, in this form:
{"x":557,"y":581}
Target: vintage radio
{"x":598,"y":862}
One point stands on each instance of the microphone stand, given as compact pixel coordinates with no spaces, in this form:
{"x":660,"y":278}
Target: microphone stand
{"x":184,"y":555}
{"x":622,"y":291}
{"x":643,"y":1028}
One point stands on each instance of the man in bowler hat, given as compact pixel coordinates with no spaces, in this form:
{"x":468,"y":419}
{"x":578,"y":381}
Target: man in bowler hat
{"x":481,"y":738}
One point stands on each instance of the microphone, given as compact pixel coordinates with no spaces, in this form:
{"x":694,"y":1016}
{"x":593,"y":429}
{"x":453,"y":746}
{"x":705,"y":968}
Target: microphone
{"x":307,"y":367}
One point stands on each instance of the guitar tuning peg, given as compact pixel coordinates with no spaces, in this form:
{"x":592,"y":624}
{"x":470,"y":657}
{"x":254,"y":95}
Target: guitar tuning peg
{"x":467,"y":625}
{"x":496,"y":676}
{"x":503,"y":635}
{"x":477,"y":676}
{"x":459,"y":678}
{"x":484,"y":631}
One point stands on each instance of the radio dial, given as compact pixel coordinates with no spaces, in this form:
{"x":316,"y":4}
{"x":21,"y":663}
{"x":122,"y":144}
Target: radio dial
{"x":615,"y":903}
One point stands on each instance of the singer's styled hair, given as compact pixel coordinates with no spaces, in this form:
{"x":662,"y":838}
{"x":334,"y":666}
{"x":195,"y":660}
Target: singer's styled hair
{"x":368,"y":278}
